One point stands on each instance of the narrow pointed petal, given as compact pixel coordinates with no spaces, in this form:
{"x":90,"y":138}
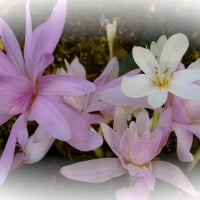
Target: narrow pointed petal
{"x":184,"y":143}
{"x":179,"y":114}
{"x":64,"y":85}
{"x":173,"y":51}
{"x":143,"y":122}
{"x":47,"y":35}
{"x":187,"y":91}
{"x":136,"y":86}
{"x":157,"y":47}
{"x":7,"y":67}
{"x":28,"y":46}
{"x":145,"y":60}
{"x":187,"y":75}
{"x":38,"y":145}
{"x":18,"y":160}
{"x":170,"y":173}
{"x":139,"y":191}
{"x":120,"y":122}
{"x":154,"y":49}
{"x":110,"y":72}
{"x":86,"y":140}
{"x":112,"y":138}
{"x":94,"y":171}
{"x":50,"y":118}
{"x":42,"y":64}
{"x":75,"y":68}
{"x":192,"y":128}
{"x":12,"y":46}
{"x":164,"y":124}
{"x":82,"y":138}
{"x":144,"y":172}
{"x":8,"y":153}
{"x":115,"y":96}
{"x":157,"y":97}
{"x":4,"y":117}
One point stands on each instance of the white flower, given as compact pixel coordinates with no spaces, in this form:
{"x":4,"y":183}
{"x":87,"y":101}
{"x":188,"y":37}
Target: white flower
{"x":160,"y":75}
{"x":157,"y":47}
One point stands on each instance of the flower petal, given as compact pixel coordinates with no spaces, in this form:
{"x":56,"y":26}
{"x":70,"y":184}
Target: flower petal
{"x":143,"y":122}
{"x":4,"y":117}
{"x":157,"y":97}
{"x":186,"y":76}
{"x":112,"y":138}
{"x":50,"y":118}
{"x":109,"y":73}
{"x":136,"y":86}
{"x":192,"y":111}
{"x":38,"y":145}
{"x":47,"y":35}
{"x":94,"y":171}
{"x":195,"y":65}
{"x":157,"y":47}
{"x":173,"y":51}
{"x":187,"y":91}
{"x":64,"y":85}
{"x":12,"y":46}
{"x":145,"y":60}
{"x":144,"y":172}
{"x":7,"y":67}
{"x":8,"y":153}
{"x":75,"y":68}
{"x":85,"y":140}
{"x":184,"y":143}
{"x":42,"y":64}
{"x":170,"y":173}
{"x":82,"y":138}
{"x":28,"y":46}
{"x":15,"y":90}
{"x":139,"y":191}
{"x":164,"y":124}
{"x":120,"y":122}
{"x":18,"y":160}
{"x":115,"y":96}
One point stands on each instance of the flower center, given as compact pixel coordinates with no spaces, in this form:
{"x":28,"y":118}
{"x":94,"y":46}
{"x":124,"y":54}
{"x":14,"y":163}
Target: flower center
{"x":162,"y":77}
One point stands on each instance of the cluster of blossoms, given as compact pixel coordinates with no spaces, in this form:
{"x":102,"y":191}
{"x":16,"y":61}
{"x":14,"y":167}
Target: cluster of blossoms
{"x":66,"y":105}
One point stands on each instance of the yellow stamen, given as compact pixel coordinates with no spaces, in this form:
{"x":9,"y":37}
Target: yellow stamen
{"x":162,"y":77}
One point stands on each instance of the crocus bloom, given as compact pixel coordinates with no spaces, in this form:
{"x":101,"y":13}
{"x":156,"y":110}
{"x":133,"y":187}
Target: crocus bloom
{"x":89,"y":103}
{"x":185,"y":120}
{"x":40,"y":142}
{"x":135,"y":146}
{"x":161,"y":75}
{"x":29,"y":94}
{"x":185,"y":123}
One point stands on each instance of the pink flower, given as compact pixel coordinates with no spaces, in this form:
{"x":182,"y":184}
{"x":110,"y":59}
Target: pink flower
{"x":135,"y":146}
{"x":89,"y":103}
{"x":185,"y":123}
{"x":27,"y":93}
